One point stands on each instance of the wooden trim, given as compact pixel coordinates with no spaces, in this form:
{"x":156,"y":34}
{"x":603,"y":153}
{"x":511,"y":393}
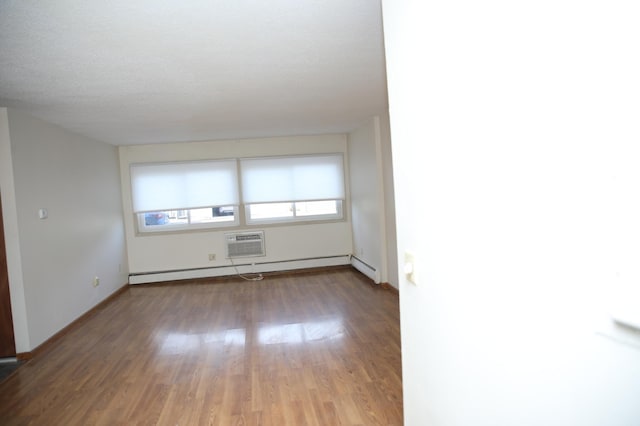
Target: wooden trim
{"x":24,"y":356}
{"x":389,"y":287}
{"x":7,"y":337}
{"x":47,"y":344}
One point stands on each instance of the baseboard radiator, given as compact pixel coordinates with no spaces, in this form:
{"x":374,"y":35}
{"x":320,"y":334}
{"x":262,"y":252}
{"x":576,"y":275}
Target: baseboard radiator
{"x":242,"y":266}
{"x":366,"y":269}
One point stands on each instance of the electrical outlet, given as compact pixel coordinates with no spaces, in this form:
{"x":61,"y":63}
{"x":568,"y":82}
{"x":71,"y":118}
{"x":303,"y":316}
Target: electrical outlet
{"x":410,"y":268}
{"x":212,"y":256}
{"x":96,"y":281}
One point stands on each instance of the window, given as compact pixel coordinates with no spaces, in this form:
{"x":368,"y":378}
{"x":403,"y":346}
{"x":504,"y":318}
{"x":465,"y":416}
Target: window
{"x":297,"y":211}
{"x":297,"y":188}
{"x":191,"y":218}
{"x":171,"y":196}
{"x":205,"y":194}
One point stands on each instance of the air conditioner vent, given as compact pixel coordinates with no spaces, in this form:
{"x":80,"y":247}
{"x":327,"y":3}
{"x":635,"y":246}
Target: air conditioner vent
{"x":245,"y":244}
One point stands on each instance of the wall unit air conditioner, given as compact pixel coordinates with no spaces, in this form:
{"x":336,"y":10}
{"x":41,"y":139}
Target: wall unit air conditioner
{"x":245,"y":244}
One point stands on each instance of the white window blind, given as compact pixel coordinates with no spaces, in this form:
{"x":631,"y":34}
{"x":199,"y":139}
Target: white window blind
{"x":173,"y":186}
{"x":300,"y":178}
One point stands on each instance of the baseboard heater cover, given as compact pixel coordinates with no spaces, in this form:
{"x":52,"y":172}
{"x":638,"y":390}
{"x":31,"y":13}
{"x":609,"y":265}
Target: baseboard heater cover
{"x":366,"y":269}
{"x":242,"y":267}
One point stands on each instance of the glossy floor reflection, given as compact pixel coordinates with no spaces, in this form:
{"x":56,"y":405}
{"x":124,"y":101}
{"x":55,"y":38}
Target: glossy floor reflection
{"x":311,"y":348}
{"x":269,"y":334}
{"x":264,"y":334}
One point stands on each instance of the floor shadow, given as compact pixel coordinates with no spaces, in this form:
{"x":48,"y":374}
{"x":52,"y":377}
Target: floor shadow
{"x":7,"y":368}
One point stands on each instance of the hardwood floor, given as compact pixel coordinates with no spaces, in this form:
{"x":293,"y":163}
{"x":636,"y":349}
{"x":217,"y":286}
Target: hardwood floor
{"x":318,"y":348}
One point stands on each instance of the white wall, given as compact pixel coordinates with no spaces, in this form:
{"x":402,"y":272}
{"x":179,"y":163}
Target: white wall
{"x":77,"y":181}
{"x":372,"y":197}
{"x":188,"y":250}
{"x":515,"y":144}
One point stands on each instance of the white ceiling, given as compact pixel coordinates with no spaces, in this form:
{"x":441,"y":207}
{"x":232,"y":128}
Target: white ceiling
{"x":150,"y":71}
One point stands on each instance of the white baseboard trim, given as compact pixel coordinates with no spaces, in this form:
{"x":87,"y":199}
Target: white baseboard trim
{"x":366,"y":269}
{"x":243,"y":266}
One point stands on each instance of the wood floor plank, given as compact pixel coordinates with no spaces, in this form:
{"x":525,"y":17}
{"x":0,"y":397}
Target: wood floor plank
{"x":320,"y":348}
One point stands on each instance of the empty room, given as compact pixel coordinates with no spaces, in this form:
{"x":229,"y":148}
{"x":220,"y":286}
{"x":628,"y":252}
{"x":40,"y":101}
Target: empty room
{"x":319,"y":212}
{"x":207,"y":235}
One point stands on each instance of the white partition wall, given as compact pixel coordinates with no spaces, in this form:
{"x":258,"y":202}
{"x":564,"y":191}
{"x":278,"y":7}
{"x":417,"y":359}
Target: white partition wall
{"x":55,"y":258}
{"x":515,"y":142}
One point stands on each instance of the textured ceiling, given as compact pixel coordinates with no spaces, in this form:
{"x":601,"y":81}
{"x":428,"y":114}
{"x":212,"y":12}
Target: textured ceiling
{"x":150,"y":71}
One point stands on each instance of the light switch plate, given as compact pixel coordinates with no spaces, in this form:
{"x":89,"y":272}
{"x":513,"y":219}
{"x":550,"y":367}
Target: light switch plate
{"x":410,"y":267}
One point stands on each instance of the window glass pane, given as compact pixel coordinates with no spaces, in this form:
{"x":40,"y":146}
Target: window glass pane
{"x":316,"y":208}
{"x":224,"y":212}
{"x":212,"y":214}
{"x":292,"y":212}
{"x":179,"y":214}
{"x":270,"y":211}
{"x":156,"y":218}
{"x":184,"y":219}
